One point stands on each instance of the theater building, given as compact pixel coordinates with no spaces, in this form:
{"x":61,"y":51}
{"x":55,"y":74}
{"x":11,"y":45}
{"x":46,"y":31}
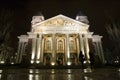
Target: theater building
{"x":59,"y":41}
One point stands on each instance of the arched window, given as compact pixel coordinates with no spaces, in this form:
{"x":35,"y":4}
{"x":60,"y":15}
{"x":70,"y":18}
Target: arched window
{"x":60,"y":45}
{"x":72,"y":45}
{"x":48,"y":45}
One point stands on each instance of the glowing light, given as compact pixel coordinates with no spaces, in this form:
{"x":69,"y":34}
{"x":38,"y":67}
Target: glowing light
{"x":36,"y":77}
{"x":12,"y":62}
{"x":30,"y":71}
{"x":33,"y":55}
{"x":0,"y":76}
{"x":52,"y":63}
{"x":36,"y":71}
{"x":0,"y":71}
{"x":30,"y":77}
{"x":119,"y":69}
{"x":69,"y":63}
{"x":69,"y":77}
{"x":69,"y":71}
{"x":32,"y":61}
{"x":53,"y":71}
{"x":87,"y":70}
{"x":116,"y":61}
{"x":85,"y":62}
{"x":37,"y":61}
{"x":2,"y":62}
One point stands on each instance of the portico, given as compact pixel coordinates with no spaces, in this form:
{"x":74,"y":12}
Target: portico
{"x":58,"y":41}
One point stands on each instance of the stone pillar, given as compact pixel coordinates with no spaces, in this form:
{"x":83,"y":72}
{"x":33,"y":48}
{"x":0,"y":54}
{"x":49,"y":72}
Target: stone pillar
{"x":87,"y":61}
{"x":23,"y":40}
{"x":102,"y":54}
{"x":22,"y":52}
{"x":18,"y":52}
{"x":78,"y":48}
{"x":33,"y":37}
{"x":53,"y":50}
{"x":98,"y":50}
{"x":39,"y":46}
{"x":67,"y":50}
{"x":87,"y":57}
{"x":33,"y":57}
{"x":87,"y":37}
{"x":98,"y":47}
{"x":81,"y":43}
{"x":42,"y":49}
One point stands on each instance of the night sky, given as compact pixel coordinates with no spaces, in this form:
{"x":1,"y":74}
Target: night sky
{"x":98,"y":12}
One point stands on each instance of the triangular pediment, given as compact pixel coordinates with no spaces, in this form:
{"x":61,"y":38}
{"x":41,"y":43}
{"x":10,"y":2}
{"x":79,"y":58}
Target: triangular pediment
{"x":60,"y":21}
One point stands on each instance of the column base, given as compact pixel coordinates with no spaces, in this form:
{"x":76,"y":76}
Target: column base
{"x":87,"y":64}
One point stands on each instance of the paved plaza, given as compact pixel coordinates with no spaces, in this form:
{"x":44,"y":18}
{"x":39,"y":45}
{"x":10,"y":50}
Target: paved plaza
{"x":60,"y":74}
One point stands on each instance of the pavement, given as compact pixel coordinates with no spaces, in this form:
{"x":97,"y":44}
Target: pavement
{"x":60,"y":74}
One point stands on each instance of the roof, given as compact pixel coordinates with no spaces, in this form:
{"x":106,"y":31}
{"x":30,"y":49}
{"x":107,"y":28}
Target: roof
{"x":59,"y":18}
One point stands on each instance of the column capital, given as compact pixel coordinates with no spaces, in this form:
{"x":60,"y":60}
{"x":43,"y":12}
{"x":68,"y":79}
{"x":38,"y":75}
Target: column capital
{"x":23,"y":38}
{"x":32,"y":35}
{"x":97,"y":38}
{"x":89,"y":34}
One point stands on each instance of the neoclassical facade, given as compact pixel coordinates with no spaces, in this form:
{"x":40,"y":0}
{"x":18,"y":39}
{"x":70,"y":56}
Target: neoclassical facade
{"x":59,"y":41}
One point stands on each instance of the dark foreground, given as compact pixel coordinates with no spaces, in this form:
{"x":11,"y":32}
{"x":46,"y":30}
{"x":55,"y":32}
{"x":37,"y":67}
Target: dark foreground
{"x":60,"y":74}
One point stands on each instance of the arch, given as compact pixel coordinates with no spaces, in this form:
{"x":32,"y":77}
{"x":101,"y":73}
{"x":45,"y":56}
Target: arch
{"x":48,"y":45}
{"x":60,"y":45}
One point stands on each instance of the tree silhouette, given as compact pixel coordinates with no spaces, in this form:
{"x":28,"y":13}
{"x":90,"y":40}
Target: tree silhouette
{"x":113,"y":30}
{"x":6,"y":27}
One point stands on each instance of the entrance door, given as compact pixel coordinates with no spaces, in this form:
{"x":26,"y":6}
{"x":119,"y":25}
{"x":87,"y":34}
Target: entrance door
{"x":60,"y":58}
{"x":60,"y":51}
{"x":47,"y":58}
{"x":73,"y":58}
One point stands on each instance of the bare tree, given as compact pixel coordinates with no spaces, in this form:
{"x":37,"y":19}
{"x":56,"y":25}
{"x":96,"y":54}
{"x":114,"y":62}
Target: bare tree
{"x":113,"y":29}
{"x":6,"y":27}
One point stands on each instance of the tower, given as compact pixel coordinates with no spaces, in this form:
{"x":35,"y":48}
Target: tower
{"x":37,"y":18}
{"x":82,"y":18}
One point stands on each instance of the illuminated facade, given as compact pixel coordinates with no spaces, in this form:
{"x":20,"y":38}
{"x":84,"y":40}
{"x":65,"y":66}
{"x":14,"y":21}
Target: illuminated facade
{"x":59,"y":41}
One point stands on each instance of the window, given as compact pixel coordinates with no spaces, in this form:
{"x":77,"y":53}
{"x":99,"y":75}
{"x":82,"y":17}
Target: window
{"x":48,"y":45}
{"x":60,"y":45}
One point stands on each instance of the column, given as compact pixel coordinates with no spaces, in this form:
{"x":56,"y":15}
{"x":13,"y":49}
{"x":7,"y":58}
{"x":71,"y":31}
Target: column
{"x":101,"y":51}
{"x":53,"y":50}
{"x":39,"y":48}
{"x":21,"y":53}
{"x":98,"y":50}
{"x":24,"y":44}
{"x":18,"y":52}
{"x":95,"y":47}
{"x":42,"y":49}
{"x":21,"y":48}
{"x":33,"y":60}
{"x":78,"y":48}
{"x":86,"y":49}
{"x":81,"y":44}
{"x":67,"y":50}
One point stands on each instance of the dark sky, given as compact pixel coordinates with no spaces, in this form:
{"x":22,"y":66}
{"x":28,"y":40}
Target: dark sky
{"x":98,"y":11}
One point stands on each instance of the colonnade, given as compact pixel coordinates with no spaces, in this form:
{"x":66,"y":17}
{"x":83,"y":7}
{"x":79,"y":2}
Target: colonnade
{"x":98,"y":47}
{"x":37,"y":52}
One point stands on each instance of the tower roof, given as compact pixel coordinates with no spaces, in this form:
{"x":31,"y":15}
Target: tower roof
{"x":39,"y":14}
{"x":80,"y":14}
